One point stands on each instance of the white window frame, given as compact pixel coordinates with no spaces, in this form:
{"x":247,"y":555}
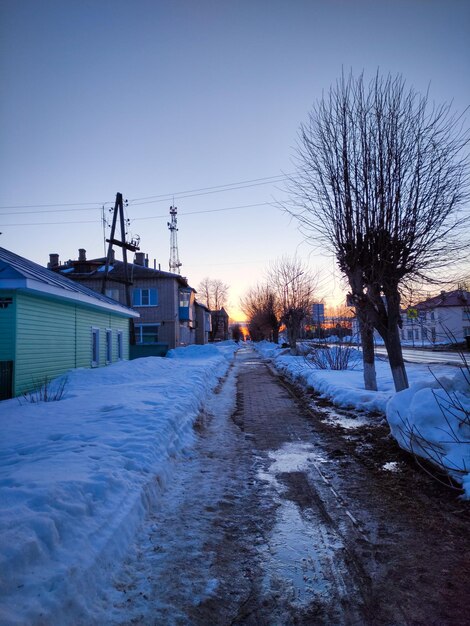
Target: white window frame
{"x":140,"y":291}
{"x":120,"y":345}
{"x":109,"y":345}
{"x":95,"y":347}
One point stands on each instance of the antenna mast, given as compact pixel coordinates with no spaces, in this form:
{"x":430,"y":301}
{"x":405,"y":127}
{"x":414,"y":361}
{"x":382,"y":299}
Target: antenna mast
{"x":175,"y":263}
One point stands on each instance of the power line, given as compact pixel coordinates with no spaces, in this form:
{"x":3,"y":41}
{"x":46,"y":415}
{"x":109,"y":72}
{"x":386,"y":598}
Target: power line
{"x":152,"y":199}
{"x":150,"y":217}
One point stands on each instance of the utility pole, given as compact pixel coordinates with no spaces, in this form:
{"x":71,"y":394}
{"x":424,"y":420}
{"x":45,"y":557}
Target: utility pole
{"x":175,"y":263}
{"x":121,"y":243}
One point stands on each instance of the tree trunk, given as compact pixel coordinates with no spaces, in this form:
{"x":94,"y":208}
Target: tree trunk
{"x":395,"y":358}
{"x":276,"y":334}
{"x":368,"y":356}
{"x":391,"y":337}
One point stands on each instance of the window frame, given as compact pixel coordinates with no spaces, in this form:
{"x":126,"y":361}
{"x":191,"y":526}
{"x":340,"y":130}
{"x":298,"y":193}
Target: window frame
{"x":120,"y":345}
{"x":138,"y":296}
{"x":95,"y":346}
{"x":109,"y":345}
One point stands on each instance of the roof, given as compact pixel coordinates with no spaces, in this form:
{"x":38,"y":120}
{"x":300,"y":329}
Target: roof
{"x":18,"y":273}
{"x":458,"y":297}
{"x":93,"y":268}
{"x":202,"y":306}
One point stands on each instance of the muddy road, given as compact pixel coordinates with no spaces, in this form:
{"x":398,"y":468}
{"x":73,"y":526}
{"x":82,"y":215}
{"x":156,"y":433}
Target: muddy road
{"x":290,"y":512}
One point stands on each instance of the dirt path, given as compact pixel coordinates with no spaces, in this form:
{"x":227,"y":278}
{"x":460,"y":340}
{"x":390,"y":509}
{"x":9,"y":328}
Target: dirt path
{"x":283,"y":515}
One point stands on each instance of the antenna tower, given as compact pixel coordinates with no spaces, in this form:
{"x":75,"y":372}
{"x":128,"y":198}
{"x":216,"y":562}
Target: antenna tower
{"x":175,"y":263}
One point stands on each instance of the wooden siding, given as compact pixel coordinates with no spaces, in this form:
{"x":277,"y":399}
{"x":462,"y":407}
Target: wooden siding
{"x":166,"y":311}
{"x":54,"y":336}
{"x":7,"y":329}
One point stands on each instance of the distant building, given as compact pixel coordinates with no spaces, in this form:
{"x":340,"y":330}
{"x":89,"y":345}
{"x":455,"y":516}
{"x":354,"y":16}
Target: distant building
{"x":318,"y":313}
{"x":203,"y":324}
{"x":50,"y":324}
{"x":441,"y":319}
{"x":219,"y":325}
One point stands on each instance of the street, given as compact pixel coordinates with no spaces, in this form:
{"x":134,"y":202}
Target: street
{"x":288,"y":511}
{"x":415,"y":355}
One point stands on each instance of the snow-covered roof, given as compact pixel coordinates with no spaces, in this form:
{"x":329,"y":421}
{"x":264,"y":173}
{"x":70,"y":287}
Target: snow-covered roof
{"x":19,"y":273}
{"x":458,"y":297}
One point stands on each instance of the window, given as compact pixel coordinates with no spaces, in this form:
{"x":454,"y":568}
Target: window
{"x":120,"y":345}
{"x":466,"y":331}
{"x":95,"y":347}
{"x":146,"y":333}
{"x":144,"y":297}
{"x":433,"y":316}
{"x":113,"y":293}
{"x":466,"y":315}
{"x":410,"y":334}
{"x":184,"y":298}
{"x":109,"y":345}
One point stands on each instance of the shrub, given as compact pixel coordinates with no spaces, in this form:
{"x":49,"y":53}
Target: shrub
{"x":46,"y":391}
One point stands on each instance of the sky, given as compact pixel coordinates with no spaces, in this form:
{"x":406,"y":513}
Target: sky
{"x":196,"y":104}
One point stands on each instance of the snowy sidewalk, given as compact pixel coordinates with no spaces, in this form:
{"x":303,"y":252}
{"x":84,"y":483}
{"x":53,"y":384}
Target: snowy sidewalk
{"x":77,"y":476}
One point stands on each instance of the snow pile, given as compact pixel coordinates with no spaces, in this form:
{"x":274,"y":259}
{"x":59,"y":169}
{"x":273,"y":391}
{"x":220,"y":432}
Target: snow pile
{"x":433,"y":422}
{"x":344,"y":387}
{"x":430,"y":419}
{"x":77,"y":476}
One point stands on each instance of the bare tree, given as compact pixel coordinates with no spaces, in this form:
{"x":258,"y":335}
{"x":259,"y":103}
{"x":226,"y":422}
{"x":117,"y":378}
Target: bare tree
{"x":294,"y":285}
{"x":219,"y":294}
{"x":382,"y":178}
{"x":204,"y":292}
{"x":213,"y":293}
{"x":262,"y":307}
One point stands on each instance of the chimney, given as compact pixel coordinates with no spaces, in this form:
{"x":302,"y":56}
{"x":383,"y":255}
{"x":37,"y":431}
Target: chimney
{"x":81,"y":254}
{"x":53,"y":261}
{"x":139,"y":258}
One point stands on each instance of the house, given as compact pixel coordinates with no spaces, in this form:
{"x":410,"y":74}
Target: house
{"x":203,"y":323}
{"x":441,"y":319}
{"x":219,"y":325}
{"x":164,"y":301}
{"x":50,"y":324}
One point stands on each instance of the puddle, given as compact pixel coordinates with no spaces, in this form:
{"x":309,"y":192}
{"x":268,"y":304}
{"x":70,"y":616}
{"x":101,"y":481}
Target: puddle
{"x":299,"y":556}
{"x":301,"y":550}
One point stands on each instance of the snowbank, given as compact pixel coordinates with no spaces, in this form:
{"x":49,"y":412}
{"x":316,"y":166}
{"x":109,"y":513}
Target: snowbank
{"x":430,"y":419}
{"x":77,"y":476}
{"x":433,"y":421}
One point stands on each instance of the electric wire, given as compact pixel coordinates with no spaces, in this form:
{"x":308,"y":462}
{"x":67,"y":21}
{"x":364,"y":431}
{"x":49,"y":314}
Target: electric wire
{"x":51,"y":208}
{"x":149,"y":217}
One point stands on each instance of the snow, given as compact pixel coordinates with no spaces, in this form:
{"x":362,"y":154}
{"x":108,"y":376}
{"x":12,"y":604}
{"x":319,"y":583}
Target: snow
{"x":77,"y":476}
{"x":431,"y":419}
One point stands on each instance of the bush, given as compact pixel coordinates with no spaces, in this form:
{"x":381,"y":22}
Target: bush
{"x":47,"y":391}
{"x":340,"y":357}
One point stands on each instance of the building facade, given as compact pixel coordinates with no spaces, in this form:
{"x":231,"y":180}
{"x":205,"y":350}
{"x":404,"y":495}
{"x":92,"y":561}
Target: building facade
{"x":49,"y":325}
{"x":165,"y":301}
{"x":441,"y":319}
